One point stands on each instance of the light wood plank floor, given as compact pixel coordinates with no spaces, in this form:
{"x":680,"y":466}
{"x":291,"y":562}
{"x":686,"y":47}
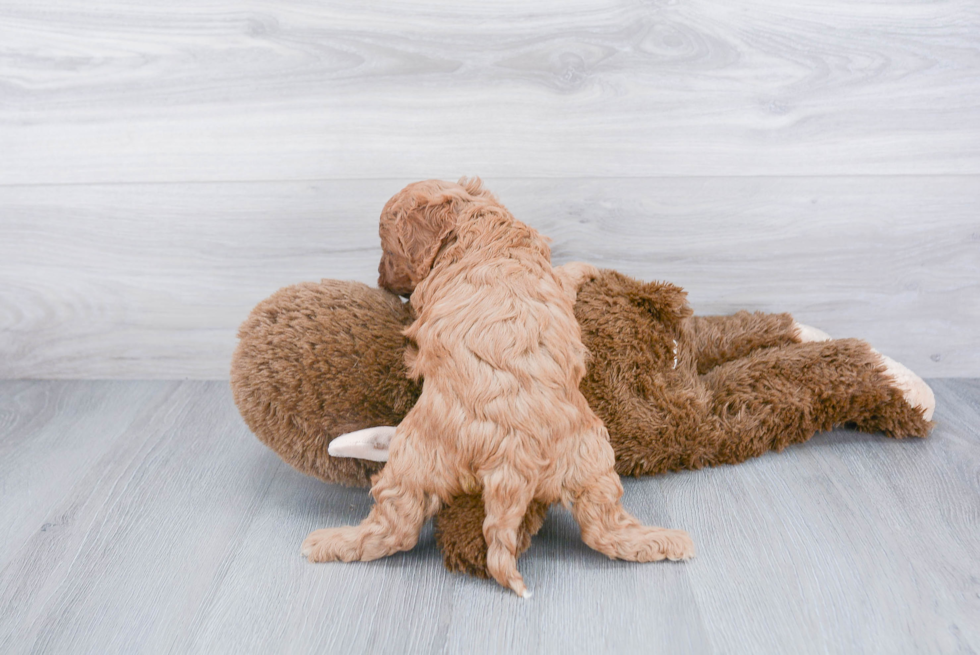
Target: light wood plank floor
{"x":144,"y":517}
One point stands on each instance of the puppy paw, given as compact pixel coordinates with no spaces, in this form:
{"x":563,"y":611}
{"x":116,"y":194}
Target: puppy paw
{"x":806,"y":334}
{"x":655,"y":544}
{"x":676,"y":544}
{"x":916,"y":392}
{"x":331,"y":545}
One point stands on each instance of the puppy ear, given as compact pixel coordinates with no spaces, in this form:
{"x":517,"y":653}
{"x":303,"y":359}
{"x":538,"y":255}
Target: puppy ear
{"x":428,"y":228}
{"x":573,"y":275}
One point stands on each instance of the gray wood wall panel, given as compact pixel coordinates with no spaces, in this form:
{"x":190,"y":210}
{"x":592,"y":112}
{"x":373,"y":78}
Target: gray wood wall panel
{"x":176,"y":531}
{"x":290,"y":89}
{"x":165,"y":165}
{"x":151,"y":281}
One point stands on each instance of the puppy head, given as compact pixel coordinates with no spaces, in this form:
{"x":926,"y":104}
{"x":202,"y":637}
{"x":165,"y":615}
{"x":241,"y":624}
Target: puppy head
{"x":418,"y":221}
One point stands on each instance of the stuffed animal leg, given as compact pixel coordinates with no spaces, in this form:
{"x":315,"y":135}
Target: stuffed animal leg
{"x":762,"y":388}
{"x":720,"y":339}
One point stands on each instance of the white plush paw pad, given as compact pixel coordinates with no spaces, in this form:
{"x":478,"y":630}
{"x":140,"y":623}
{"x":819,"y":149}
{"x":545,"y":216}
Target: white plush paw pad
{"x":806,"y":334}
{"x":917,"y":393}
{"x":370,"y":444}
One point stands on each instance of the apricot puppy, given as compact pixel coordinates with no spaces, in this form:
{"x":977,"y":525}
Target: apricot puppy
{"x":501,"y":356}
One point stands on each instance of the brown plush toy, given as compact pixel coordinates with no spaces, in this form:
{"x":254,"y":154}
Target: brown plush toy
{"x":675,"y":391}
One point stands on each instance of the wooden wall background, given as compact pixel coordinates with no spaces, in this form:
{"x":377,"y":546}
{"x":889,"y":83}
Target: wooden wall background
{"x":164,"y":165}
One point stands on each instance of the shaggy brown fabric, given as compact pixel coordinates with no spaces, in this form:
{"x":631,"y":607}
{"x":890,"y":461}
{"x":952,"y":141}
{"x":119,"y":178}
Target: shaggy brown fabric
{"x":459,"y":533}
{"x":722,"y":339}
{"x":762,"y":390}
{"x":318,"y":360}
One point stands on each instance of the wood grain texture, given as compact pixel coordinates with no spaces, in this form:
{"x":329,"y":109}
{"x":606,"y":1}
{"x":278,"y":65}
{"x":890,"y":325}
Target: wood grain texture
{"x":289,"y":89}
{"x":174,"y":530}
{"x":50,"y":438}
{"x":152,"y":281}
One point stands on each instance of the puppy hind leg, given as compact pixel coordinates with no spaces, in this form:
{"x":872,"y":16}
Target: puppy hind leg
{"x":400,"y":510}
{"x":611,"y":530}
{"x":595,"y":490}
{"x":506,"y":497}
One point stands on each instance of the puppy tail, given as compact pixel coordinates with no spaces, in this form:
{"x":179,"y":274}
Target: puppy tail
{"x":506,"y":497}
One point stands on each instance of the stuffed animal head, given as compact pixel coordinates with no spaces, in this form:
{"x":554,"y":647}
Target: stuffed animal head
{"x":416,"y":224}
